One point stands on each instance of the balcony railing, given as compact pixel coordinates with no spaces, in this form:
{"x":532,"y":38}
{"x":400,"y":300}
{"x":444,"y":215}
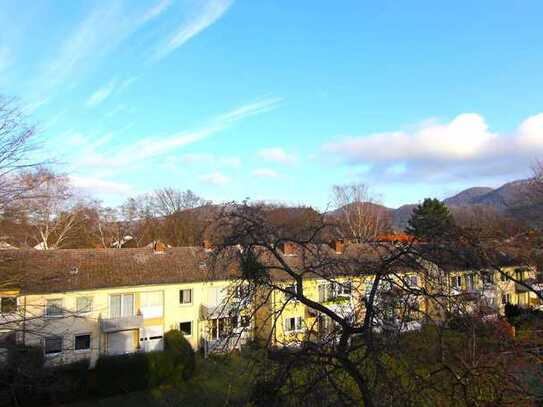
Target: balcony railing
{"x":121,"y":323}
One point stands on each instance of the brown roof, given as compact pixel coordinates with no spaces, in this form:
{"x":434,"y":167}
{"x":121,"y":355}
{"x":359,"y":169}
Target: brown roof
{"x":42,"y":271}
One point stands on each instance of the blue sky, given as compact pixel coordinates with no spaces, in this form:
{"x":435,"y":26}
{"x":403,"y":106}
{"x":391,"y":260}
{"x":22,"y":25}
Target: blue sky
{"x":280,"y":100}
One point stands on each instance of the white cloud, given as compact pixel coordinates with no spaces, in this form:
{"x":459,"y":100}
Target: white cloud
{"x":97,"y":157}
{"x":260,"y":106}
{"x":101,"y":94}
{"x":215,"y":178}
{"x":209,"y":159}
{"x":265,"y":173}
{"x":209,"y":12}
{"x":463,"y":147}
{"x":97,"y":185}
{"x":156,"y":10}
{"x":276,"y":154}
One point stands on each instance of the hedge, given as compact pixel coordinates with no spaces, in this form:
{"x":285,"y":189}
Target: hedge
{"x":139,"y":371}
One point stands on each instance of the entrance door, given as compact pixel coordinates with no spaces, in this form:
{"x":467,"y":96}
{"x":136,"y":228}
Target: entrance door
{"x":119,"y":343}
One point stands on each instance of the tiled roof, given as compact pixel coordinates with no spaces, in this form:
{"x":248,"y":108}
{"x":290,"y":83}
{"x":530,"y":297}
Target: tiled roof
{"x":38,"y":271}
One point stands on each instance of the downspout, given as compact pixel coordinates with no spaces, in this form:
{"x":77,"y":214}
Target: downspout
{"x":24,"y":321}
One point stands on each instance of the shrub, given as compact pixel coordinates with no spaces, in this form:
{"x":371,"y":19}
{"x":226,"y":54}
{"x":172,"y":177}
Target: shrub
{"x":138,"y":371}
{"x":181,"y":352}
{"x":122,"y":373}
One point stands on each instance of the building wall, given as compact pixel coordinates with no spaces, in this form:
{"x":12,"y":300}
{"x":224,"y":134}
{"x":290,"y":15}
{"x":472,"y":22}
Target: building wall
{"x":38,"y":326}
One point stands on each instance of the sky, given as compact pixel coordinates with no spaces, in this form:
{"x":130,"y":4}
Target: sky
{"x":279,"y":100}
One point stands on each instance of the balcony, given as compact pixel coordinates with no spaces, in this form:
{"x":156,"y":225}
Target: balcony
{"x":121,"y":323}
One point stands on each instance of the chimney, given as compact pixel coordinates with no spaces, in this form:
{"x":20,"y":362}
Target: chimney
{"x":338,"y":245}
{"x":159,"y":247}
{"x":208,"y":246}
{"x":289,"y":248}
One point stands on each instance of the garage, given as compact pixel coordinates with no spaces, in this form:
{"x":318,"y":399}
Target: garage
{"x":152,"y":338}
{"x":119,"y":343}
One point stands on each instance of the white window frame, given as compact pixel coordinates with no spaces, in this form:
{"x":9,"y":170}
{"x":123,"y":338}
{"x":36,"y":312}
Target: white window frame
{"x":51,"y":354}
{"x":456,"y":281}
{"x":298,"y":324}
{"x":122,"y":305}
{"x":91,"y":304}
{"x":90,"y":342}
{"x":184,"y":304}
{"x":61,"y":308}
{"x":191,"y":328}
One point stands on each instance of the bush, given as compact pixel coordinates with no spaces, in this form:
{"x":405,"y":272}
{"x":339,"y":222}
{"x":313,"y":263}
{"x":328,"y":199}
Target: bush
{"x":139,"y":371}
{"x":122,"y":373}
{"x":180,"y":350}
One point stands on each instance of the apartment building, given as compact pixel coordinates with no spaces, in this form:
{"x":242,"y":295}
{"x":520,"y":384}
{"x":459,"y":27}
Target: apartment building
{"x":81,"y":304}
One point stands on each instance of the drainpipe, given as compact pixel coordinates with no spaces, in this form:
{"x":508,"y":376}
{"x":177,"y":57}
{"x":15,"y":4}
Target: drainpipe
{"x":24,"y":320}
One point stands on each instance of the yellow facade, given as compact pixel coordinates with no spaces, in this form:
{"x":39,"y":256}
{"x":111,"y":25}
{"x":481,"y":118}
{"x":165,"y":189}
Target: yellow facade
{"x":129,"y":319}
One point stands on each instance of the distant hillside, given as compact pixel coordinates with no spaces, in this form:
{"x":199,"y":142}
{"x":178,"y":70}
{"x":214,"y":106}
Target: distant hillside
{"x":468,"y":196}
{"x":512,"y":199}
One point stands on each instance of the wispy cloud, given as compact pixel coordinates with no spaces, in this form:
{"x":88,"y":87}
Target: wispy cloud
{"x":101,"y":94}
{"x":93,"y":185}
{"x":147,"y":148}
{"x":215,"y":178}
{"x":276,"y":154}
{"x":208,"y":159}
{"x":262,"y":105}
{"x":265,"y":173}
{"x":156,"y":10}
{"x":207,"y":14}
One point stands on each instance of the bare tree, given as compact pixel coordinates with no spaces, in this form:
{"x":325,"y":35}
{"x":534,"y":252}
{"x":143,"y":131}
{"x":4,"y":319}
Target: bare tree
{"x":168,"y":201}
{"x":53,"y":211}
{"x":365,"y":350}
{"x":16,"y":144}
{"x":361,"y":218}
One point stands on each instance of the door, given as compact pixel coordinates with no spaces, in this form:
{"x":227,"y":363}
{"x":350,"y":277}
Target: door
{"x":119,"y":343}
{"x":153,"y":338}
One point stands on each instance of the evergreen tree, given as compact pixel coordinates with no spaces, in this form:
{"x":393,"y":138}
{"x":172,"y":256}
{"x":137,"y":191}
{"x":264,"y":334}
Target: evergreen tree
{"x":430,"y":220}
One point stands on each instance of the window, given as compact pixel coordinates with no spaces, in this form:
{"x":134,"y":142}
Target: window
{"x":82,"y":342}
{"x":53,"y":345}
{"x":220,"y":328}
{"x":519,"y":275}
{"x":186,"y":328}
{"x":344,"y":289}
{"x":294,"y":324}
{"x":488,"y":277}
{"x":83,"y":305}
{"x":185,"y":296}
{"x":470,"y":281}
{"x":412,"y":281}
{"x":121,"y":305}
{"x":8,"y":305}
{"x":53,"y":308}
{"x":291,"y":290}
{"x":506,"y":299}
{"x":456,"y":281}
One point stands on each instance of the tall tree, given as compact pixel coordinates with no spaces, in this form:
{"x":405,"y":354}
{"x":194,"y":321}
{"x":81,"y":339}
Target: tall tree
{"x":16,"y":143}
{"x":53,"y":210}
{"x":430,"y":220}
{"x":360,"y":216}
